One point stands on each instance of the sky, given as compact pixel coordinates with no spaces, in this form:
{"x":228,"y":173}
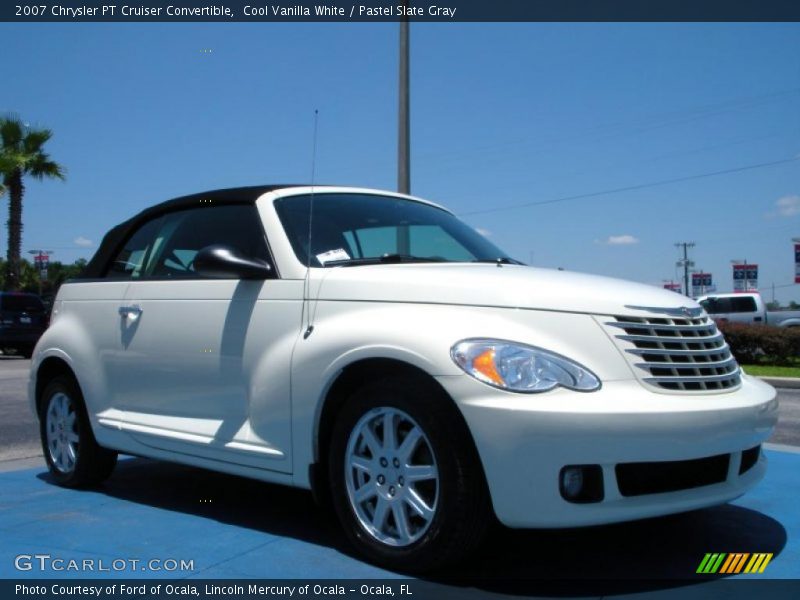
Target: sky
{"x":592,"y":147}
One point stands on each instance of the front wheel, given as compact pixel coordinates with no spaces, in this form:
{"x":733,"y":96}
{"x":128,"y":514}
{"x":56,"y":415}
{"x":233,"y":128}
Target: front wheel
{"x":405,"y":478}
{"x":73,"y":456}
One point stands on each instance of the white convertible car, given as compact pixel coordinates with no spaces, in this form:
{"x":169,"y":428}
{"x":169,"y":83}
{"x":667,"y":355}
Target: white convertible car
{"x":372,"y":347}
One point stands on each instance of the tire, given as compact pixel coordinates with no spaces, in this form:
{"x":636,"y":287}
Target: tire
{"x":70,"y":449}
{"x":427,"y":509}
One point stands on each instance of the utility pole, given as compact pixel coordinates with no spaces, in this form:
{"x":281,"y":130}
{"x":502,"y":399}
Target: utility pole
{"x":686,"y":264}
{"x":404,"y":125}
{"x":403,"y":133}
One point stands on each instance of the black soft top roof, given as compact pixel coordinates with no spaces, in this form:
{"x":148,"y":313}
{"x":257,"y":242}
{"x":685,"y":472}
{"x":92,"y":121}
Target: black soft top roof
{"x":112,"y":241}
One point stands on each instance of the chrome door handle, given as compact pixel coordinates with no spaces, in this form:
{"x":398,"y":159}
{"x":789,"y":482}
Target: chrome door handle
{"x":131,"y":312}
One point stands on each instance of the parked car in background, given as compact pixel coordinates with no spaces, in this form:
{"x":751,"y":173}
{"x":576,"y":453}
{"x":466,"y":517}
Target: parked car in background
{"x":746,"y":308}
{"x":396,"y":362}
{"x":23,"y":319}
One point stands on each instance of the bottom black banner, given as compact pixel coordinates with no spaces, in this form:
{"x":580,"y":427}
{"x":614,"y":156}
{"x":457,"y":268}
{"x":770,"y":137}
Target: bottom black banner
{"x":413,"y":589}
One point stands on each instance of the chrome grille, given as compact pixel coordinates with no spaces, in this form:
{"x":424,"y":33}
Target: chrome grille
{"x":677,"y":354}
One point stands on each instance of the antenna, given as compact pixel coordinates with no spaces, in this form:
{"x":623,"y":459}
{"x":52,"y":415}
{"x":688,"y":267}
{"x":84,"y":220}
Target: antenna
{"x":307,"y":282}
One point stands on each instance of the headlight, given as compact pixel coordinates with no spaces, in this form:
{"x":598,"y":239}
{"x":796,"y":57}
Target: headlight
{"x":521,"y":368}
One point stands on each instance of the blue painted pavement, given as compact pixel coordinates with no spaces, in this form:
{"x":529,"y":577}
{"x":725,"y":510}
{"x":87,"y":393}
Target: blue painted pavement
{"x":237,"y":528}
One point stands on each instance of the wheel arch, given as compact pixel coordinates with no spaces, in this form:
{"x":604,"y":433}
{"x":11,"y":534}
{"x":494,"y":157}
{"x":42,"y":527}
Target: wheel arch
{"x":348,"y":380}
{"x":50,"y":367}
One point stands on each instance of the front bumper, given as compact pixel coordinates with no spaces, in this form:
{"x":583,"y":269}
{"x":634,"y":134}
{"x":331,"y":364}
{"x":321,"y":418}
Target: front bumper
{"x":525,"y":440}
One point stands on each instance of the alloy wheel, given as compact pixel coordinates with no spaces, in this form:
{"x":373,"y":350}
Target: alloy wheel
{"x":63,"y":442}
{"x":392,"y":477}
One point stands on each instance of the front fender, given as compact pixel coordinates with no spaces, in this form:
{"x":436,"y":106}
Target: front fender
{"x":422,"y":335}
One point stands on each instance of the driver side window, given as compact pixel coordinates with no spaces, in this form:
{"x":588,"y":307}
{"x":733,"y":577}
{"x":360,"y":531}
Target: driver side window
{"x":165,"y":248}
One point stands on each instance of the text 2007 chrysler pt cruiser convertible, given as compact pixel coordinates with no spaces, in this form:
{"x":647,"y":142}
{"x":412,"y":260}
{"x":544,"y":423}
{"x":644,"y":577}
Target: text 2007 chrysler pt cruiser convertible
{"x":372,"y":347}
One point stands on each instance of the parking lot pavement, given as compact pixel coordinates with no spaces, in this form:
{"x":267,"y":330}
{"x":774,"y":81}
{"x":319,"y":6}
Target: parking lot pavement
{"x":237,"y":528}
{"x":19,"y":431}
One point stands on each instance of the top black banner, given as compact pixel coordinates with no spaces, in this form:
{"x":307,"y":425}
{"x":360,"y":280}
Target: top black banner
{"x":413,"y":10}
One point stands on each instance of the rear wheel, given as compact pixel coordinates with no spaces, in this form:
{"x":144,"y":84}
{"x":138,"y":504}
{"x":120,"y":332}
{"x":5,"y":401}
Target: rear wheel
{"x":70,"y":449}
{"x":405,"y":478}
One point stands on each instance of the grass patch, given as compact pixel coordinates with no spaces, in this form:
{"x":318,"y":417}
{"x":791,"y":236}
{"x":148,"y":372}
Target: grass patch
{"x":772,"y":370}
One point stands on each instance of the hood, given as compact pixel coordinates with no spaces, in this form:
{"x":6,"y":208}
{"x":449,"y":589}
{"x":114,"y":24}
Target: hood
{"x":508,"y":286}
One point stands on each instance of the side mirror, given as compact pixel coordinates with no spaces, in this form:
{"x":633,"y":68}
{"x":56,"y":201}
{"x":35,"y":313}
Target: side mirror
{"x":225,"y":262}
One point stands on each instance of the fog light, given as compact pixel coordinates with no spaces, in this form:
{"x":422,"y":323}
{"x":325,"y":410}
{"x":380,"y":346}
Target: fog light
{"x":572,"y":482}
{"x":581,"y":484}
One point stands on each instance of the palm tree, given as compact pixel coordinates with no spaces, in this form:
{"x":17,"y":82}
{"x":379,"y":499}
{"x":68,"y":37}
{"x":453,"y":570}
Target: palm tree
{"x":21,"y":154}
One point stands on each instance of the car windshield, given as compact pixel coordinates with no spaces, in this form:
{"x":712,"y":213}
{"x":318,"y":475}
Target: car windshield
{"x":353,"y":229}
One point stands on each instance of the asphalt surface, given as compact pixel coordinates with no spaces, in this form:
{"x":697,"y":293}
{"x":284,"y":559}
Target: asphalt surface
{"x":19,"y":430}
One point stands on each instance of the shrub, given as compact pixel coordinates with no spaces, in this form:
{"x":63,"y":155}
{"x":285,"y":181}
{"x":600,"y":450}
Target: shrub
{"x":749,"y":343}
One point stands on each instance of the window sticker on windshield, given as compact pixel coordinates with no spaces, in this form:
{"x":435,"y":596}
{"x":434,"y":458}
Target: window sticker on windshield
{"x":332,"y":255}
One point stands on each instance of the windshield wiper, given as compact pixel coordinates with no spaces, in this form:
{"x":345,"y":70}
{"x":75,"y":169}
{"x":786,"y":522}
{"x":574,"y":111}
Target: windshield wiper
{"x":380,"y":260}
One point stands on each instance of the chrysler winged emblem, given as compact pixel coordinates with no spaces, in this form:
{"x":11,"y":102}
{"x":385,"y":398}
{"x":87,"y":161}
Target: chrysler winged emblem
{"x":683,"y":311}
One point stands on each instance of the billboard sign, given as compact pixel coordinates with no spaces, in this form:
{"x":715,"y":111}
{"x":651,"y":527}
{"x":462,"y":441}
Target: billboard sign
{"x":797,"y":262}
{"x":702,"y":284}
{"x":745,"y":278}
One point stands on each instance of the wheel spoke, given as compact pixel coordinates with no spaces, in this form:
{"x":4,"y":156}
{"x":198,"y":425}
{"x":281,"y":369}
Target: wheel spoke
{"x":71,"y":420}
{"x":418,"y":505}
{"x":420,"y":472}
{"x":71,"y":456}
{"x":362,"y":464}
{"x":72,"y":437}
{"x":365,"y":492}
{"x":381,"y":512}
{"x":406,"y":449}
{"x":369,"y":439}
{"x":401,"y":520}
{"x":389,"y":435}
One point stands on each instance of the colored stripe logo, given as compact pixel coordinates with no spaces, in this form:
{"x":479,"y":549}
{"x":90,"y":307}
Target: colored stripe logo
{"x":734,"y":563}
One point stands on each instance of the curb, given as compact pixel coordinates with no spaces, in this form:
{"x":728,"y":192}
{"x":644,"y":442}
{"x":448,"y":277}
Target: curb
{"x":792,"y":383}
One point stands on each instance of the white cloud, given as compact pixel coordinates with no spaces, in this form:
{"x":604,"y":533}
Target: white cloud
{"x":82,"y":242}
{"x":787,"y":206}
{"x":483,"y":232}
{"x":620,"y":240}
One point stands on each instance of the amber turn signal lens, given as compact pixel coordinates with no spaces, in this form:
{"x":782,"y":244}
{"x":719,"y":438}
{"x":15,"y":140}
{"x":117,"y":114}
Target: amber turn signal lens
{"x":484,"y":364}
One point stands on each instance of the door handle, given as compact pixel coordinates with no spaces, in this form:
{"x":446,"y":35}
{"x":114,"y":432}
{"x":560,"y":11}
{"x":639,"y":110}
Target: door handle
{"x":131,"y":312}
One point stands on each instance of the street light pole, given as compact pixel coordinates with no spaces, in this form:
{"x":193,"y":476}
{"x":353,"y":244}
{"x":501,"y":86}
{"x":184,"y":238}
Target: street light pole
{"x":404,"y":125}
{"x":685,"y":263}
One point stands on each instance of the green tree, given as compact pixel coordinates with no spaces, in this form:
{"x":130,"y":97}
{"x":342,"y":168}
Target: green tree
{"x":21,"y":154}
{"x":57,"y":274}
